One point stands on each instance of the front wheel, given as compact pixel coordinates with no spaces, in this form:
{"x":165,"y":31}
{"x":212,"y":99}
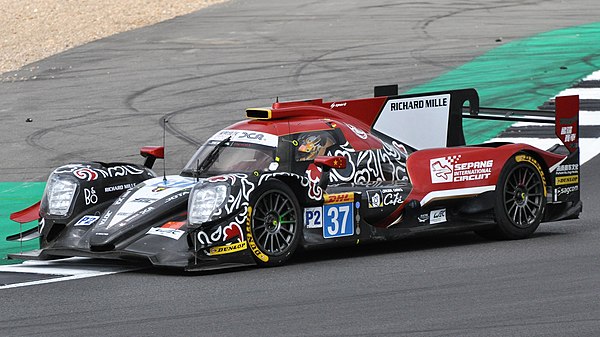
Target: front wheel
{"x":520,"y":199}
{"x":274,"y":230}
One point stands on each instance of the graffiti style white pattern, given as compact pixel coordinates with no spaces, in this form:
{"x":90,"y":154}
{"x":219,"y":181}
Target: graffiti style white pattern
{"x":366,"y":166}
{"x":88,"y":173}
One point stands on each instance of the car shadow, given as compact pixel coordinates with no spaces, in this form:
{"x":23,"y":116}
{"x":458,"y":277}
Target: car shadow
{"x":413,"y":244}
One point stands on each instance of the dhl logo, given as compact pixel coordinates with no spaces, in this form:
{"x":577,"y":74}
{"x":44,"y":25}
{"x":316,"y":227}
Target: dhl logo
{"x":232,"y":248}
{"x":339,"y":198}
{"x":566,"y":180}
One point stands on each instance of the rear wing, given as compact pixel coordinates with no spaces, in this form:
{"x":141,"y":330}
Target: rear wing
{"x":435,"y":119}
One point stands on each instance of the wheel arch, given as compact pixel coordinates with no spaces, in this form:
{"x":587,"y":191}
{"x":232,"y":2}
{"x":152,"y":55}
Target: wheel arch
{"x":300,"y":191}
{"x":535,"y":155}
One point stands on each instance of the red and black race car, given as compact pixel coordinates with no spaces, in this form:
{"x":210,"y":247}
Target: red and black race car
{"x":314,"y":174}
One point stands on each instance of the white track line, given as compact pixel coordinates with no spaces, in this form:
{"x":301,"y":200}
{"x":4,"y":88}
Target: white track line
{"x":67,"y":269}
{"x":595,"y":76}
{"x":584,"y":93}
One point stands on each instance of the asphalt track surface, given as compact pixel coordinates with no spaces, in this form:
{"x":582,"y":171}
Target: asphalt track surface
{"x":106,"y":99}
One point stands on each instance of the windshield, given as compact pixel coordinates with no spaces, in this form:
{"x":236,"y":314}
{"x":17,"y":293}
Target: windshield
{"x":217,"y":157}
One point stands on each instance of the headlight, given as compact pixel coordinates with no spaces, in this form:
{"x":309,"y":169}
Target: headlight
{"x":205,"y":200}
{"x":60,"y":193}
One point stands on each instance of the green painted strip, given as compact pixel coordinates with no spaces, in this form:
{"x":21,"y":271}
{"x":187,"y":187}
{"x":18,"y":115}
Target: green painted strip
{"x":523,"y":74}
{"x":15,"y":196}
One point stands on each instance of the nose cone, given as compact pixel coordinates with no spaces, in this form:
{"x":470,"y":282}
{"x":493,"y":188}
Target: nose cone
{"x":130,"y":216}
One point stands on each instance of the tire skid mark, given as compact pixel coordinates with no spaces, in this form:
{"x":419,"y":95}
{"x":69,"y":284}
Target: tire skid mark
{"x":424,"y":24}
{"x":176,"y":131}
{"x":34,"y":138}
{"x":422,"y":28}
{"x":295,"y":75}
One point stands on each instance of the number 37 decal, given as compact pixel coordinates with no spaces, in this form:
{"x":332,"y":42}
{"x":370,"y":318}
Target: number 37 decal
{"x":335,"y":219}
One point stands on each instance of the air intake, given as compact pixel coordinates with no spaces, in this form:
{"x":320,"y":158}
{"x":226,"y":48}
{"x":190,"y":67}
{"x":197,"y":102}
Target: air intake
{"x":258,"y":113}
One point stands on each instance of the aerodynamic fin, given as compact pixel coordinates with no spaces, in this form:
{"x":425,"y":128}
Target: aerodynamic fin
{"x":567,"y":121}
{"x":28,"y":214}
{"x":25,"y":236}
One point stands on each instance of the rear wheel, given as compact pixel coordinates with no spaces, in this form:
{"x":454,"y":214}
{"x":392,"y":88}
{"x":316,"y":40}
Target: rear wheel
{"x":520,"y":199}
{"x":274,"y":224}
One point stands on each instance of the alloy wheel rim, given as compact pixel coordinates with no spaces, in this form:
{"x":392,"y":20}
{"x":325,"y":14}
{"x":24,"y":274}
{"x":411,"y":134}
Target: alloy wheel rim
{"x":274,"y":223}
{"x":523,"y":196}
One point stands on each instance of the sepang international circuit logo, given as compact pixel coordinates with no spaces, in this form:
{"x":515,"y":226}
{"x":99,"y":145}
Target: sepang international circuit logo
{"x":450,"y":169}
{"x":441,"y":170}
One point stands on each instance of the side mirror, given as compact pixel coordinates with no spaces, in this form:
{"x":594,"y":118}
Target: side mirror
{"x":326,"y":163}
{"x":151,"y":153}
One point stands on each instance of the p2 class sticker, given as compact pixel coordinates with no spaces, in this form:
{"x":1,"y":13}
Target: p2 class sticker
{"x":313,"y":217}
{"x":174,"y":234}
{"x":338,"y":220}
{"x":437,"y":216}
{"x":87,"y":220}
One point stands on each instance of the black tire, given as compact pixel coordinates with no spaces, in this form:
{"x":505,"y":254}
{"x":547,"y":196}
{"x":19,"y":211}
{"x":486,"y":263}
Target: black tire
{"x":275,"y":224}
{"x":520,"y":199}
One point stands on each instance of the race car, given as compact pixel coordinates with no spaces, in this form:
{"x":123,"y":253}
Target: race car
{"x":315,"y":174}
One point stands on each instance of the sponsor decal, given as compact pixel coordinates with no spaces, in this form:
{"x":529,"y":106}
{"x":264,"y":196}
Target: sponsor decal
{"x":567,"y":190}
{"x":450,"y":169}
{"x":176,"y":196}
{"x":375,"y":199}
{"x":338,"y":220}
{"x":419,"y":103}
{"x":567,"y":133}
{"x":567,"y":180}
{"x":250,"y":239}
{"x":159,"y":189}
{"x":437,"y":216}
{"x":423,"y":217}
{"x":227,"y":249}
{"x":404,"y":119}
{"x":532,"y":161}
{"x":122,"y":187}
{"x":174,"y":234}
{"x":339,"y":198}
{"x":122,"y":198}
{"x":105,"y":218}
{"x":392,"y":197}
{"x":173,"y":224}
{"x":144,"y":200}
{"x":337,"y":105}
{"x":90,"y":196}
{"x":313,"y":217}
{"x":130,"y":216}
{"x":86,"y":220}
{"x":246,"y":136}
{"x":567,"y":169}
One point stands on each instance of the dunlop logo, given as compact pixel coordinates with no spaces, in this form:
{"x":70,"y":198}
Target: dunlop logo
{"x":232,"y":248}
{"x":567,"y":180}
